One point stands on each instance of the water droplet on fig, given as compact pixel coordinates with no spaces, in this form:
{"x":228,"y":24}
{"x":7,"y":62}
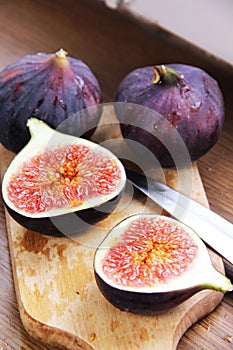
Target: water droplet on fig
{"x":184,"y":89}
{"x":179,"y":113}
{"x":63,"y":105}
{"x":196,"y":106}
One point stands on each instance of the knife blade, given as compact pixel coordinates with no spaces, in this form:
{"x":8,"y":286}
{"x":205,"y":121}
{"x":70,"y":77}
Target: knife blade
{"x":213,"y":229}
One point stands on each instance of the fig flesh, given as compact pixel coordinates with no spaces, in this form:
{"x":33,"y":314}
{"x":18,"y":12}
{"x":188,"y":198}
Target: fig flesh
{"x":56,"y":178}
{"x":50,"y":87}
{"x":149,"y":264}
{"x":186,"y":96}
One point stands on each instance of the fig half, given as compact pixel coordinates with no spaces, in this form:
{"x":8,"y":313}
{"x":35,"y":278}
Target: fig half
{"x":149,"y":264}
{"x":56,"y":178}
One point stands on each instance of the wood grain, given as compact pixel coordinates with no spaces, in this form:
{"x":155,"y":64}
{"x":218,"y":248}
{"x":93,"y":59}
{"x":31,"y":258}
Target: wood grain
{"x":113,"y":44}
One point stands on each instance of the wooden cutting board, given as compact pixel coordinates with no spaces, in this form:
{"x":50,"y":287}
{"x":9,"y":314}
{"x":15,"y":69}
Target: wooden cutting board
{"x":59,"y":301}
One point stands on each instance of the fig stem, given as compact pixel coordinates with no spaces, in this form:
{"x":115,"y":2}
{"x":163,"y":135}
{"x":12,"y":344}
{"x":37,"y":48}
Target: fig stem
{"x":60,"y":58}
{"x":166,"y":74}
{"x":37,"y":127}
{"x":218,"y":282}
{"x":61,"y":54}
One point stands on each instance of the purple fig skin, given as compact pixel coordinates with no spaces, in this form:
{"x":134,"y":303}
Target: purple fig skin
{"x":144,"y":303}
{"x":50,"y":87}
{"x":192,"y":103}
{"x":66,"y":224}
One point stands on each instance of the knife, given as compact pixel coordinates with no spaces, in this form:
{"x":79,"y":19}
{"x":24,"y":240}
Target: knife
{"x":214,"y":230}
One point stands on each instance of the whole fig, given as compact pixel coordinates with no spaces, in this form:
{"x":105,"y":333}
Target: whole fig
{"x":50,"y":87}
{"x":186,"y":96}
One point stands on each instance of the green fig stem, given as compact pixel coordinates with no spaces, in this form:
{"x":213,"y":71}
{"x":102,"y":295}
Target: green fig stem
{"x":218,"y":281}
{"x":163,"y":73}
{"x":60,"y":58}
{"x":37,"y":127}
{"x":62,"y":54}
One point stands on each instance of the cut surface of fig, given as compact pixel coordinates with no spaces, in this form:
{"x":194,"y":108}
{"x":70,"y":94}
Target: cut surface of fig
{"x":150,"y":263}
{"x":56,"y":174}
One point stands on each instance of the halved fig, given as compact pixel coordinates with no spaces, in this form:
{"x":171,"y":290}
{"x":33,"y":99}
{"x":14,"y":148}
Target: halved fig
{"x":149,"y":264}
{"x":58,"y":178}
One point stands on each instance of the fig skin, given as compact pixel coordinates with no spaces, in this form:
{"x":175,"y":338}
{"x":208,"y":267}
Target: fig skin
{"x":67,"y":224}
{"x":50,"y":87}
{"x":188,"y":97}
{"x":144,"y":303}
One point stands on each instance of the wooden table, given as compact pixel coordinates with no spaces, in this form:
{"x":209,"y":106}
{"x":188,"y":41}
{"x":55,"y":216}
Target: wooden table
{"x":113,"y":44}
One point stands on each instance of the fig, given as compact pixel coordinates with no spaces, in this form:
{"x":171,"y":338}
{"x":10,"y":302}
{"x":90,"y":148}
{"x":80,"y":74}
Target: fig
{"x":149,"y":264}
{"x":50,"y":87}
{"x":57,"y":183}
{"x":185,"y":96}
